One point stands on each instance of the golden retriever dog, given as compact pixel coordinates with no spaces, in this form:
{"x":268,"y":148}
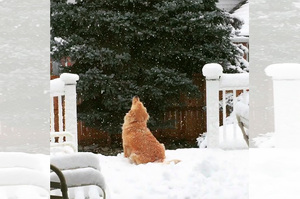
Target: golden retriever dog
{"x":139,"y":145}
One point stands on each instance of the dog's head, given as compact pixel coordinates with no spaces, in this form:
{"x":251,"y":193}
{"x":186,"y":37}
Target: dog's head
{"x":137,"y":113}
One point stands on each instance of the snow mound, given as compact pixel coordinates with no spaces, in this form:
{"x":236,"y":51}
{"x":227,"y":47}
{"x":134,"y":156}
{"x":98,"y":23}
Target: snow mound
{"x":202,"y":173}
{"x":274,"y":173}
{"x":265,"y":140}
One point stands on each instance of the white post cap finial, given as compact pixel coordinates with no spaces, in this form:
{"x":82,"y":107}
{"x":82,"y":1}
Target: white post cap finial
{"x":283,"y":71}
{"x":212,"y":71}
{"x":69,"y":78}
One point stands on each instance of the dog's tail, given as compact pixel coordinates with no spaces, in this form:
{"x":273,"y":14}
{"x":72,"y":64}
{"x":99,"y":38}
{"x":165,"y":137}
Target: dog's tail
{"x":175,"y":161}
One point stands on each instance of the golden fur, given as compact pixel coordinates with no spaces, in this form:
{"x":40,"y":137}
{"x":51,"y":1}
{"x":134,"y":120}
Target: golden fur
{"x":139,"y":145}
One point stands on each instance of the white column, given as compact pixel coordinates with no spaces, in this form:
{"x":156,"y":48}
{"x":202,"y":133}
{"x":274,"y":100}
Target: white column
{"x":212,"y":72}
{"x":71,"y":105}
{"x":286,"y":89}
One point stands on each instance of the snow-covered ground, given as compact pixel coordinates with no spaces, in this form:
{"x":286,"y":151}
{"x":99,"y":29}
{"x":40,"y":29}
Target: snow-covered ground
{"x":274,"y":173}
{"x":233,"y":138}
{"x":201,"y":174}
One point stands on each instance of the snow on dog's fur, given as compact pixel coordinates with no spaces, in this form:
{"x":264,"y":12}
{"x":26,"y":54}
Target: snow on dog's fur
{"x":139,"y":145}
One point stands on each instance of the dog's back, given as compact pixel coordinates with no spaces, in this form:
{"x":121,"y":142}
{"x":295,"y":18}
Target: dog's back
{"x":139,"y":145}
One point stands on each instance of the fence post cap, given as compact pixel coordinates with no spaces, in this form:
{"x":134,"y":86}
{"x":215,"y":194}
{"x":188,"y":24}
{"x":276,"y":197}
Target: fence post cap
{"x":69,"y":78}
{"x":212,"y":71}
{"x":57,"y":85}
{"x":283,"y":71}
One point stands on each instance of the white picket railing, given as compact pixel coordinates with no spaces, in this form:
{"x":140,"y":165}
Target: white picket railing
{"x":286,"y":89}
{"x":63,"y":129}
{"x":217,"y":81}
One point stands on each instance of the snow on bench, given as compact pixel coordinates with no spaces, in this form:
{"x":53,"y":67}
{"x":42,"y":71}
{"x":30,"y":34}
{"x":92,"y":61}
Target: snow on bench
{"x":82,"y":173}
{"x":63,"y":131}
{"x":228,"y":85}
{"x":24,"y":176}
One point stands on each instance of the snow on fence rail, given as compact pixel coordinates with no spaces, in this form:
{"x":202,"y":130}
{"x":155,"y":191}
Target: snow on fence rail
{"x":286,"y":89}
{"x":63,"y":114}
{"x":217,"y":81}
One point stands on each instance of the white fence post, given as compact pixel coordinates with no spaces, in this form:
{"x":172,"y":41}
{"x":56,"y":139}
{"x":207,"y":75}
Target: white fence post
{"x":71,"y":105}
{"x":286,"y":88}
{"x":212,"y":72}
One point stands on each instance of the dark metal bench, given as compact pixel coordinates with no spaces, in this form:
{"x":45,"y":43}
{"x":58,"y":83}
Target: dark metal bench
{"x":62,"y":185}
{"x":77,"y":170}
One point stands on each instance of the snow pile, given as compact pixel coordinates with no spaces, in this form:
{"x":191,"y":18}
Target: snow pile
{"x":274,"y":173}
{"x":264,"y":140}
{"x":233,"y":138}
{"x":202,"y":173}
{"x":24,"y":176}
{"x":271,"y":140}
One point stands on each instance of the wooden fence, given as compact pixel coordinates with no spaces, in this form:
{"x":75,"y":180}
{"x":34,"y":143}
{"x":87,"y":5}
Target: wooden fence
{"x":189,"y":122}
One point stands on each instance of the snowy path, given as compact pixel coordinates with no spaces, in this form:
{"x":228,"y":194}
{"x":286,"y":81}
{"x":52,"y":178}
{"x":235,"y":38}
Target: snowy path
{"x":201,"y":174}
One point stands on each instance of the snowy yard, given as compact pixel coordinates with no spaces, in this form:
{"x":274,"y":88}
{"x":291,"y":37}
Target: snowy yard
{"x":274,"y":173}
{"x":201,"y":174}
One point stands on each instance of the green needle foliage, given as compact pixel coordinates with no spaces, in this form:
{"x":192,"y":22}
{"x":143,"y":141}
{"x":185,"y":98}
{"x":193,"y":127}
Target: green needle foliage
{"x":149,"y":48}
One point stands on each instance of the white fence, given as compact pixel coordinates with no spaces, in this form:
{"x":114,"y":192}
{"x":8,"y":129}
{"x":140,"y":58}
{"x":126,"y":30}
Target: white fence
{"x":286,"y":89}
{"x":63,"y":114}
{"x":217,"y":81}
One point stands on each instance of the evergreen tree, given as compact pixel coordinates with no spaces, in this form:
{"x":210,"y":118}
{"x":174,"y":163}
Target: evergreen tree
{"x":149,"y":48}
